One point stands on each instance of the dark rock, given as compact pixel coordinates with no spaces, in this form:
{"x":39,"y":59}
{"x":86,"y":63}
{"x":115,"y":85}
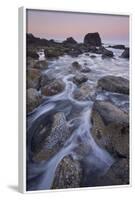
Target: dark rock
{"x":119,"y":46}
{"x":92,"y":56}
{"x":125,"y":53}
{"x":68,"y":174}
{"x":41,"y":64}
{"x":114,"y":84}
{"x":105,"y":52}
{"x":33,"y":99}
{"x":53,"y":52}
{"x":33,"y":78}
{"x":69,"y":40}
{"x":110,"y":128}
{"x":79,"y":79}
{"x":92,"y":39}
{"x":118,"y":174}
{"x":76,"y":65}
{"x":30,"y":62}
{"x":59,"y":134}
{"x":32,"y":54}
{"x":53,"y":88}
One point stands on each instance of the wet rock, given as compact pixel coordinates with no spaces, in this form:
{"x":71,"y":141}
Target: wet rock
{"x":69,"y":40}
{"x":110,"y":128}
{"x":79,"y":79}
{"x":85,"y":92}
{"x":32,"y":54}
{"x":92,"y":39}
{"x":68,"y":174}
{"x":33,"y":99}
{"x":53,"y":88}
{"x":53,"y":52}
{"x":44,"y":80}
{"x":105,"y":52}
{"x":92,"y":56}
{"x":125,"y":53}
{"x":30,"y":62}
{"x":114,"y":84}
{"x":85,"y":69}
{"x":118,"y":174}
{"x":33,"y":78}
{"x":119,"y":46}
{"x":59,"y":134}
{"x":41,"y":64}
{"x":76,"y":65}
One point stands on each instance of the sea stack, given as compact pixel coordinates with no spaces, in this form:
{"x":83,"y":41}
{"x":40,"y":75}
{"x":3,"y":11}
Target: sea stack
{"x":92,"y":39}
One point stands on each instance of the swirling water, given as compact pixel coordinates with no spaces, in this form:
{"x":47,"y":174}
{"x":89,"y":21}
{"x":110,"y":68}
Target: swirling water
{"x":40,"y":175}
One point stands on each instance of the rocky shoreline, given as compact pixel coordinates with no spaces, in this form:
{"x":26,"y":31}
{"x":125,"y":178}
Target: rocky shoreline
{"x":109,"y":120}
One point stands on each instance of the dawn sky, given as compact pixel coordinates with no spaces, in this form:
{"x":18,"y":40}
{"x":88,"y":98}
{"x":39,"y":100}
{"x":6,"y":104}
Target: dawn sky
{"x":60,"y":25}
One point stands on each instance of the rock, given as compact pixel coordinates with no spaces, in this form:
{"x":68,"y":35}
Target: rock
{"x":105,"y":52}
{"x":32,"y":54}
{"x":92,"y":56}
{"x":92,"y":39}
{"x":68,"y":174}
{"x":59,"y":134}
{"x":114,"y":84}
{"x":53,"y":88}
{"x":79,"y":79}
{"x":53,"y":52}
{"x":85,"y":92}
{"x":69,"y":40}
{"x":119,"y":46}
{"x":110,"y":128}
{"x":76,"y":65}
{"x":118,"y":174}
{"x":85,"y":69}
{"x":44,"y":80}
{"x":33,"y":99}
{"x":30,"y":62}
{"x":125,"y":53}
{"x":41,"y":64}
{"x":33,"y":78}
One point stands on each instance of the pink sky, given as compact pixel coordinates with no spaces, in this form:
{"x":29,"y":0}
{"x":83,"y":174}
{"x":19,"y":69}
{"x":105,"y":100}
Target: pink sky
{"x":60,"y":25}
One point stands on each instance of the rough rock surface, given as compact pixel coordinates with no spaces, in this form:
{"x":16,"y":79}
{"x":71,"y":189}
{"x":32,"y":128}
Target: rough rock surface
{"x":59,"y":134}
{"x":53,"y":88}
{"x":33,"y":99}
{"x":79,"y":79}
{"x":114,"y":84}
{"x":68,"y":174}
{"x":41,"y":64}
{"x":33,"y":78}
{"x":110,"y":128}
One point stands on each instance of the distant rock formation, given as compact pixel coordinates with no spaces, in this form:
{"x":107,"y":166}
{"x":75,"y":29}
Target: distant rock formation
{"x":92,"y":39}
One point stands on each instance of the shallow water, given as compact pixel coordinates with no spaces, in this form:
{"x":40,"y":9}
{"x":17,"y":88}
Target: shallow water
{"x":40,"y":175}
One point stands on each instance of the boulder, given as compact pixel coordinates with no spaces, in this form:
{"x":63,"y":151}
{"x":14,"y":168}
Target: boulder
{"x":68,"y":174}
{"x":69,"y":40}
{"x":53,"y":88}
{"x":92,"y":39}
{"x":30,"y":62}
{"x":105,"y":52}
{"x":114,"y":84}
{"x":33,"y":99}
{"x":125,"y":53}
{"x":41,"y":64}
{"x":118,"y":46}
{"x":59,"y":133}
{"x":32,"y":54}
{"x":85,"y":92}
{"x":33,"y":78}
{"x":76,"y":65}
{"x":79,"y":79}
{"x":118,"y":174}
{"x":85,"y":69}
{"x":110,"y":128}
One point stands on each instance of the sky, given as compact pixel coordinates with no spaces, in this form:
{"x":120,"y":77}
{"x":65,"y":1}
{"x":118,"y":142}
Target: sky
{"x":60,"y":25}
